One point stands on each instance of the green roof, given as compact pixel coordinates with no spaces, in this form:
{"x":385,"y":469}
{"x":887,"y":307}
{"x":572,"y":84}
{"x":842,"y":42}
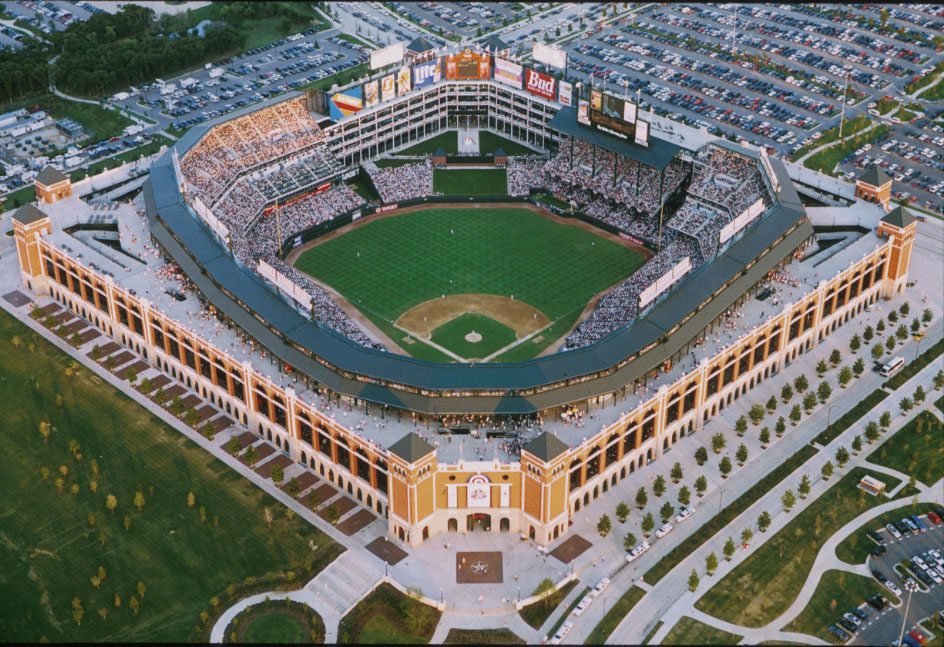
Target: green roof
{"x":547,"y":447}
{"x":411,"y":448}
{"x":50,"y":175}
{"x":899,"y":217}
{"x":28,"y":214}
{"x":420,"y":44}
{"x":874,"y":176}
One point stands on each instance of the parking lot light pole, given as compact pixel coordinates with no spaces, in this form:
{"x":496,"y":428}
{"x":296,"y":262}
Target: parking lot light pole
{"x":842,"y":114}
{"x":911,"y":586}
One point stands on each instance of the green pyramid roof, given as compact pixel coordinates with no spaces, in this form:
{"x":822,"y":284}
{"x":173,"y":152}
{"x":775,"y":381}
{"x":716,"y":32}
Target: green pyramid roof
{"x":874,"y":176}
{"x":50,"y":175}
{"x":28,"y":214}
{"x":547,"y":447}
{"x":899,"y":217}
{"x":411,"y":448}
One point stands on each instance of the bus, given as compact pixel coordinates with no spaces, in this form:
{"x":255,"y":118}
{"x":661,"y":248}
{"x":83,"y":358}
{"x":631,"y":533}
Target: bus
{"x":892,"y":367}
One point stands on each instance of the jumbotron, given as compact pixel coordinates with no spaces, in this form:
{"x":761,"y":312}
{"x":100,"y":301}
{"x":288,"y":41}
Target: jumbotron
{"x":737,"y":278}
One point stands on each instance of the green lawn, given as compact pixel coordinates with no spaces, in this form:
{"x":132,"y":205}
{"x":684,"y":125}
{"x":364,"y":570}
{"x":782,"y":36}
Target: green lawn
{"x":827,"y":159}
{"x":275,"y":628}
{"x":53,"y":543}
{"x":768,"y":581}
{"x":836,"y":593}
{"x":940,"y":403}
{"x":385,"y":617}
{"x":917,"y":449}
{"x":722,"y":519}
{"x":853,"y":125}
{"x":452,"y":335}
{"x":489,"y":142}
{"x":652,"y":632}
{"x":860,"y":409}
{"x":463,"y":182}
{"x":482,"y":637}
{"x":276,"y":621}
{"x":448,"y":141}
{"x":537,"y":613}
{"x":614,"y":616}
{"x":19,"y":197}
{"x":386,"y":266}
{"x":98,"y":122}
{"x":688,"y":631}
{"x":855,"y":548}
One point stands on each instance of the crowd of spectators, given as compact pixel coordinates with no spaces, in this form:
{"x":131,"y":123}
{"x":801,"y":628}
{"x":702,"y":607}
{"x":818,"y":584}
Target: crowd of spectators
{"x":398,"y":183}
{"x":525,"y":174}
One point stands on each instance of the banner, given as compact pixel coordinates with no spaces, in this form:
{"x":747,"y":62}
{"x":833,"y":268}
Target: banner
{"x":426,"y":74}
{"x":642,"y":133}
{"x":565,"y":90}
{"x":371,"y":93}
{"x":508,"y":73}
{"x":468,"y":65}
{"x":345,"y":103}
{"x":388,"y":88}
{"x":583,"y":112}
{"x":403,"y":81}
{"x":629,"y":112}
{"x":386,"y":56}
{"x":549,"y":55}
{"x":539,"y":84}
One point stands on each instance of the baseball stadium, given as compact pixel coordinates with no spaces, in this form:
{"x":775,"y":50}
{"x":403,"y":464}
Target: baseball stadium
{"x":465,"y":291}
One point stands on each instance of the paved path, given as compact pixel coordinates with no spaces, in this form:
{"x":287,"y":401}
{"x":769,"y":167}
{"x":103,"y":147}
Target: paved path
{"x":511,"y":621}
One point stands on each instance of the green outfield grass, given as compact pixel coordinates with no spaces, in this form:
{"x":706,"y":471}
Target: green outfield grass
{"x":452,"y":335}
{"x":386,"y":266}
{"x":53,"y":539}
{"x":470,"y":182}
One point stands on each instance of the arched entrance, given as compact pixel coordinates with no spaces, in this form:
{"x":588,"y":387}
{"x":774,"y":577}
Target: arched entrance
{"x":478,"y":521}
{"x":452,"y":525}
{"x":504,"y":525}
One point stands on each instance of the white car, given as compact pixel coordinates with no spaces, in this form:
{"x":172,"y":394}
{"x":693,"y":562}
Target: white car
{"x":600,"y":587}
{"x":582,"y":605}
{"x":891,"y":586}
{"x":664,"y":529}
{"x":920,"y":562}
{"x":684,"y":514}
{"x":561,"y":633}
{"x":637,"y":551}
{"x":937,"y":556}
{"x":893,"y":530}
{"x":851,"y":618}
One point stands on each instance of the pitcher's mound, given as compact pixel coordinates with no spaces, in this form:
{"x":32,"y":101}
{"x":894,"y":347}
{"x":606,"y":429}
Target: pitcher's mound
{"x":473,"y":337}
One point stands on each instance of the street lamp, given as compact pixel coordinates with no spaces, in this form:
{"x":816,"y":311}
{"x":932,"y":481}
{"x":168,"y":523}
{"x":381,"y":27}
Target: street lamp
{"x":911,"y":587}
{"x":829,"y":413}
{"x":842,"y":115}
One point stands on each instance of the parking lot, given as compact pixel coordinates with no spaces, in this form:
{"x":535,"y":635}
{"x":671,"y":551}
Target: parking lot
{"x":883,"y":627}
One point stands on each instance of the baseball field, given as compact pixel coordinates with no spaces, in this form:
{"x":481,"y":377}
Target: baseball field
{"x":469,"y":283}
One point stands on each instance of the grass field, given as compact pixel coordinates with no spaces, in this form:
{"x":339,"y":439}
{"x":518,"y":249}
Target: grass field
{"x":537,"y":613}
{"x":482,"y":637}
{"x":386,"y":266}
{"x":452,"y":335}
{"x":275,"y":628}
{"x":836,"y":593}
{"x":385,"y":617}
{"x":768,"y":581}
{"x":276,"y":622}
{"x":688,"y":631}
{"x":917,"y":449}
{"x":55,"y":535}
{"x":489,"y":142}
{"x":470,"y":182}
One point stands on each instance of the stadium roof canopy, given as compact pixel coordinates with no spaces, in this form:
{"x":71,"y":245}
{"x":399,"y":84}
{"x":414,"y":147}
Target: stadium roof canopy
{"x":657,"y":155}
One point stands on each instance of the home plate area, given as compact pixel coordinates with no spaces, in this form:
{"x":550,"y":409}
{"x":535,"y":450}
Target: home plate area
{"x":480,"y":567}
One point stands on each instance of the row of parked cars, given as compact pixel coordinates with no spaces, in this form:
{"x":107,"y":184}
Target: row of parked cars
{"x":851,"y":621}
{"x":579,"y":609}
{"x":684,"y":513}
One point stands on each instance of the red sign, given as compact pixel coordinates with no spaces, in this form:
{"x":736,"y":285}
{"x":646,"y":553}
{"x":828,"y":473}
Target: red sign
{"x":386,"y":207}
{"x":539,"y":84}
{"x":268,"y":211}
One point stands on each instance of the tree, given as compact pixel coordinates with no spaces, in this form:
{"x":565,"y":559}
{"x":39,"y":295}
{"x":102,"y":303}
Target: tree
{"x":233,"y":446}
{"x":885,"y":420}
{"x":795,"y":414}
{"x":677,"y":473}
{"x":251,"y":456}
{"x":746,"y":535}
{"x":905,"y":404}
{"x":809,"y":402}
{"x":111,"y":502}
{"x":927,"y":316}
{"x":718,"y":443}
{"x":880,"y":326}
{"x":725,"y":466}
{"x":801,"y":384}
{"x":919,"y":394}
{"x":741,"y":454}
{"x":77,"y":611}
{"x":872,"y":432}
{"x":804,"y":487}
{"x":877,"y":351}
{"x":756,"y":414}
{"x":141,"y":589}
{"x":868,"y":333}
{"x":904,"y":309}
{"x":711,"y":563}
{"x":938,"y":380}
{"x":139,"y":500}
{"x":658,"y":487}
{"x":883,"y":16}
{"x":604,"y":525}
{"x":835,"y":357}
{"x":293,"y":487}
{"x":821,"y":367}
{"x":728,"y":550}
{"x":765,"y":436}
{"x":890,"y":344}
{"x":629,"y":541}
{"x":892,"y":317}
{"x":740,"y":425}
{"x":648,"y":523}
{"x":824,"y":391}
{"x":701,"y":456}
{"x":915,"y":325}
{"x":786,"y":393}
{"x":666,"y":511}
{"x":845,"y":376}
{"x":127,"y":522}
{"x":788,"y":500}
{"x":684,"y":495}
{"x":901,"y":332}
{"x":858,"y":367}
{"x":693,"y":581}
{"x":622,"y":511}
{"x":45,"y":430}
{"x":763,"y":521}
{"x":827,"y":470}
{"x":641,"y":498}
{"x":842,"y":456}
{"x":857,"y":444}
{"x":277,"y":474}
{"x":134,"y":605}
{"x":701,"y":484}
{"x":855,"y":343}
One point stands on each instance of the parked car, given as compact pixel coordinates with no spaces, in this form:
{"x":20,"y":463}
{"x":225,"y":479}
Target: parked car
{"x":600,"y":587}
{"x":893,"y":531}
{"x":838,"y":633}
{"x":878,"y":551}
{"x":664,"y":529}
{"x":684,"y":514}
{"x":852,"y":618}
{"x":582,"y":605}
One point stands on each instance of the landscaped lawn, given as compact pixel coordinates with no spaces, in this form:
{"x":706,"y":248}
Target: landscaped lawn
{"x":489,"y":142}
{"x":855,"y":548}
{"x":536,"y":614}
{"x":276,"y":621}
{"x":54,"y":538}
{"x":448,"y":141}
{"x":688,"y":631}
{"x":614,"y":616}
{"x":388,"y":616}
{"x":768,"y":581}
{"x":275,"y":628}
{"x":860,"y":409}
{"x":482,"y":637}
{"x":470,"y":182}
{"x":917,"y":449}
{"x":836,"y":593}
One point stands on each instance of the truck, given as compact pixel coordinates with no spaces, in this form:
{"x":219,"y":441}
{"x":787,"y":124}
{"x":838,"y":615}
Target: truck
{"x":121,"y":96}
{"x":133,"y":129}
{"x":189,"y":82}
{"x":168,"y":88}
{"x":216,"y":72}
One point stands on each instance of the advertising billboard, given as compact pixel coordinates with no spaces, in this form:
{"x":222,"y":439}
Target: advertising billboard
{"x":642,"y":133}
{"x":345,"y":103}
{"x":372,"y":93}
{"x":549,"y":55}
{"x":426,"y":73}
{"x":403,"y":81}
{"x":468,"y":65}
{"x":629,"y":112}
{"x":610,"y":113}
{"x":583,"y":112}
{"x":388,"y":89}
{"x":565,"y":95}
{"x":539,"y":84}
{"x":507,"y":72}
{"x":387,"y":56}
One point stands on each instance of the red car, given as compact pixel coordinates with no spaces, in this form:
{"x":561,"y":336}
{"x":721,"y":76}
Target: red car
{"x":933,"y":517}
{"x":917,"y":635}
